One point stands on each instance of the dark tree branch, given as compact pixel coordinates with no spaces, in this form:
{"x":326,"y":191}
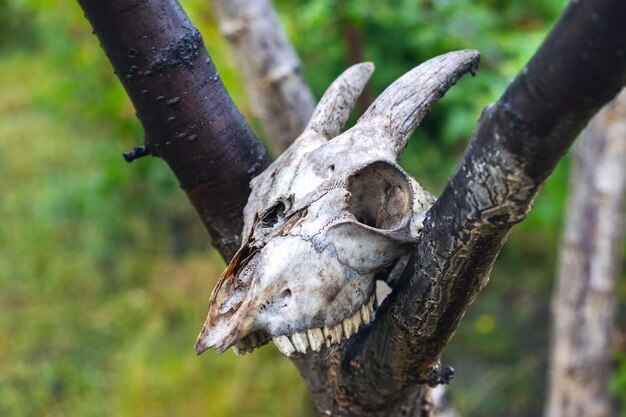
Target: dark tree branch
{"x":519,"y":140}
{"x":188,"y":117}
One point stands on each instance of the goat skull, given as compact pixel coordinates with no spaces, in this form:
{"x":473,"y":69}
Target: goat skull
{"x":333,"y":210}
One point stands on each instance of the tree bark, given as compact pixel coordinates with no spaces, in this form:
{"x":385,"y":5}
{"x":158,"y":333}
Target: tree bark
{"x":442,"y":400}
{"x":382,"y":370}
{"x":188,"y":117}
{"x":279,"y":95}
{"x":518,"y":142}
{"x":583,"y":305}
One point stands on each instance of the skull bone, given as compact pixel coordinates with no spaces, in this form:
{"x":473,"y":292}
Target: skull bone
{"x":332,"y":211}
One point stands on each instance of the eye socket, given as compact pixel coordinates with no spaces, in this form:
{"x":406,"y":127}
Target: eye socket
{"x":381,"y":196}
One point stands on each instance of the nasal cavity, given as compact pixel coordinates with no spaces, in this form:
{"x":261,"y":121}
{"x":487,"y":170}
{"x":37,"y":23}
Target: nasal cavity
{"x":273,"y":215}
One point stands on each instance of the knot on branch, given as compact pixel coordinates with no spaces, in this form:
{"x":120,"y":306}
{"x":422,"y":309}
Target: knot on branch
{"x":439,"y":375}
{"x":181,"y":52}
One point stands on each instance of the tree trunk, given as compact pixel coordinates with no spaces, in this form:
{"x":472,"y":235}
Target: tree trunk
{"x":279,"y":95}
{"x":583,"y":305}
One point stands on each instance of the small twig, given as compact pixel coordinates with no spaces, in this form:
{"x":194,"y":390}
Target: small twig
{"x":136,"y":153}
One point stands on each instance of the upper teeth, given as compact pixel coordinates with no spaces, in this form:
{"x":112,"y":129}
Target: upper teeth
{"x":247,"y":345}
{"x":330,"y":335}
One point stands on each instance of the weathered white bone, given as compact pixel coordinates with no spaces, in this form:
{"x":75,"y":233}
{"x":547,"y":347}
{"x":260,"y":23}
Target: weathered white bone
{"x":371,"y":303}
{"x":366,"y":311}
{"x":332,"y":334}
{"x":333,"y":110}
{"x":326,"y":216}
{"x":401,"y":107}
{"x":351,"y":324}
{"x":284,"y":345}
{"x":300,"y":342}
{"x":316,"y":339}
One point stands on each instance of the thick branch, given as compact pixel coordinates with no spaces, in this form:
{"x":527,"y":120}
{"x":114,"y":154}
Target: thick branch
{"x":519,"y":140}
{"x":583,"y":305}
{"x":188,"y":117}
{"x":279,"y":95}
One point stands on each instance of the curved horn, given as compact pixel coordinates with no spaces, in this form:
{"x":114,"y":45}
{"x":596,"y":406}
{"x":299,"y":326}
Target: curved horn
{"x":334,"y":108}
{"x":403,"y":105}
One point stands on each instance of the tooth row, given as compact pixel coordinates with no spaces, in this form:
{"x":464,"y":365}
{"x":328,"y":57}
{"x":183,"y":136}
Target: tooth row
{"x":332,"y":334}
{"x":316,"y":339}
{"x":367,"y":309}
{"x":284,"y":345}
{"x":329,"y":335}
{"x":246,"y":345}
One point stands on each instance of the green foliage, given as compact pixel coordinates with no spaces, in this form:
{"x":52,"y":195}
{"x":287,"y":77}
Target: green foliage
{"x":105,"y":271}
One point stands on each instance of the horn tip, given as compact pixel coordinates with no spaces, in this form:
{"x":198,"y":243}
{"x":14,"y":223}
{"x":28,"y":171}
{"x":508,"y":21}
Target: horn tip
{"x":367,"y":66}
{"x":468,"y":59}
{"x":362,"y":70}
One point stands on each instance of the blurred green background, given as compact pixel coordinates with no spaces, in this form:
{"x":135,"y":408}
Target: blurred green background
{"x":105,"y":271}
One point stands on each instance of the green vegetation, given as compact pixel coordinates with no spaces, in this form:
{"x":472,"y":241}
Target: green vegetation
{"x":105,"y":271}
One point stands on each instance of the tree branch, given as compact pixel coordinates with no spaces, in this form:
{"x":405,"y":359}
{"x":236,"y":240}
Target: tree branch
{"x":584,"y":300}
{"x":188,"y":117}
{"x":518,"y":142}
{"x":279,"y":95}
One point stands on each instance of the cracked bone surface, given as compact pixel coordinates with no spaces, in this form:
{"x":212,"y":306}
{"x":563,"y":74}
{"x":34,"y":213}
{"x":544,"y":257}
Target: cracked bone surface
{"x":332,"y":211}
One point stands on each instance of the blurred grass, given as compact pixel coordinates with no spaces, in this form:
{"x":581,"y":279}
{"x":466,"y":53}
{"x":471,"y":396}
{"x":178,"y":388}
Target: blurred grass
{"x":105,"y":272}
{"x":97,"y":313}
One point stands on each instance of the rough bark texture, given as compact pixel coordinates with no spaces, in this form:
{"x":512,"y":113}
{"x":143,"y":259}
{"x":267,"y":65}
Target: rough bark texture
{"x":583,"y":304}
{"x":519,"y":140}
{"x":188,"y":117}
{"x":279,"y":95}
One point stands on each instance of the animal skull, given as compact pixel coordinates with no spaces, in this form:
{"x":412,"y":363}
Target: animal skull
{"x":333,"y":210}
